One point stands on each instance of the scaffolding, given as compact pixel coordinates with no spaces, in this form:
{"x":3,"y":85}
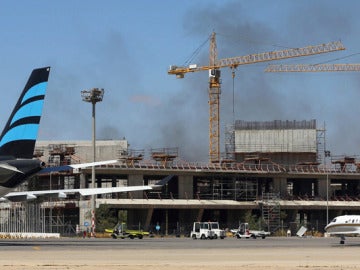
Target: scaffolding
{"x":227,"y":189}
{"x":22,"y":218}
{"x":164,"y":156}
{"x":229,"y":143}
{"x":246,"y":190}
{"x":62,"y":154}
{"x":130,"y":156}
{"x":34,"y":217}
{"x":271,"y":211}
{"x":322,"y":152}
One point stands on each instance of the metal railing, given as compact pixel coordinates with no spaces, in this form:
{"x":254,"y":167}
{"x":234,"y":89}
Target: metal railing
{"x":241,"y":167}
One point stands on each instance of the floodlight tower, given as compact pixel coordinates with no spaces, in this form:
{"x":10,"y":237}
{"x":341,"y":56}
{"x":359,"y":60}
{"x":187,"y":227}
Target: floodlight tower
{"x":93,"y":96}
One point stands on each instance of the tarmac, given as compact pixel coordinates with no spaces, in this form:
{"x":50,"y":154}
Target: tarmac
{"x":278,"y":253}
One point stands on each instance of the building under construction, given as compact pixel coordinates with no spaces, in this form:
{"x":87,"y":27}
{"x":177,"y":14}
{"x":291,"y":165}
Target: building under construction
{"x":276,"y":172}
{"x":281,"y":142}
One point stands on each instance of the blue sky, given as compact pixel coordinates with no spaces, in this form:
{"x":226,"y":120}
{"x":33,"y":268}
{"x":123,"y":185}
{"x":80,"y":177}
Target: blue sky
{"x":127,"y":46}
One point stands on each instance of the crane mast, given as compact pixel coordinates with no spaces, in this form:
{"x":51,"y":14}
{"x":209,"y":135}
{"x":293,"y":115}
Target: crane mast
{"x":313,"y":68}
{"x":214,"y":79}
{"x":214,"y":103}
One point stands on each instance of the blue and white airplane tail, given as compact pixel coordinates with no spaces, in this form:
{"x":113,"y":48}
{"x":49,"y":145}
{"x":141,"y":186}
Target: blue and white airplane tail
{"x":18,"y":138}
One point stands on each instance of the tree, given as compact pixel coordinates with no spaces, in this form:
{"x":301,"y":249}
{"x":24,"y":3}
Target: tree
{"x":106,"y":218}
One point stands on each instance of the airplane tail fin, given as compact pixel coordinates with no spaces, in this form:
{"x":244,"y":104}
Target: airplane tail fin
{"x":19,"y":135}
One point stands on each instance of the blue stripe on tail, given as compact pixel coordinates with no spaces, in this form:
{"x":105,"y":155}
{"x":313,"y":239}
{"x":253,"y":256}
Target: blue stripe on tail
{"x":22,"y":132}
{"x":31,"y":109}
{"x":36,"y":90}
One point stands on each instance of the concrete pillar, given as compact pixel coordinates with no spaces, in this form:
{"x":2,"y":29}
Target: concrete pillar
{"x":84,"y":207}
{"x":84,"y":214}
{"x":136,"y":180}
{"x":323,"y":186}
{"x":82,"y":180}
{"x":150,"y":212}
{"x":186,"y":184}
{"x":280,"y":186}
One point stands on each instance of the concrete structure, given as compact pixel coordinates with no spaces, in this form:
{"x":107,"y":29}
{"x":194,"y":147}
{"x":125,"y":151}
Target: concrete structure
{"x":56,"y":152}
{"x":281,"y":195}
{"x":282,"y":142}
{"x":222,"y":192}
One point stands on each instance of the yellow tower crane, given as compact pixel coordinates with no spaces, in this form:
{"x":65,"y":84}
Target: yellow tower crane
{"x":313,"y":68}
{"x":214,"y":79}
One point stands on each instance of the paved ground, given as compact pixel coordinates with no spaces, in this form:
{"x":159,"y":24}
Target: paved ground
{"x":180,"y":254}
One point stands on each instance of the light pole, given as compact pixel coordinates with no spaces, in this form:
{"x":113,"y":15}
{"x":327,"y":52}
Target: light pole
{"x":51,"y":206}
{"x":327,"y":198}
{"x":93,"y":96}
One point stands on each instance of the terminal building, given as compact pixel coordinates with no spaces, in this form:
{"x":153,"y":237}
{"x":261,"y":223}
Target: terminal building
{"x":277,"y":171}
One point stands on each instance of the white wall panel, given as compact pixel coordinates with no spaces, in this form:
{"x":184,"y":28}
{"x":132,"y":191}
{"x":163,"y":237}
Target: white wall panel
{"x":276,"y":140}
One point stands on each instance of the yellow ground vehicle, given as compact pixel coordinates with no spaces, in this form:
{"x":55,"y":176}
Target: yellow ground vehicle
{"x":121,"y":231}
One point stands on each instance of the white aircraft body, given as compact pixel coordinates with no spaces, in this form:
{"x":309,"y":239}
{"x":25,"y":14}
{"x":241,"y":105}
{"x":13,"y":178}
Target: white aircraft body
{"x":17,"y":143}
{"x":347,"y":225}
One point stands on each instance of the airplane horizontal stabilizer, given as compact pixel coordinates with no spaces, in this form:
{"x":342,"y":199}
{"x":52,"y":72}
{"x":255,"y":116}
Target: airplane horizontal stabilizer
{"x":8,"y":167}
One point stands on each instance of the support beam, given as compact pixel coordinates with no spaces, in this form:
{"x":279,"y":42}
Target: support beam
{"x":149,"y":214}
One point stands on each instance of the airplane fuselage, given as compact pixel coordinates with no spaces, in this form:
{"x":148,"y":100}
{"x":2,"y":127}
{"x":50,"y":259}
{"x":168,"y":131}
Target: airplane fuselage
{"x":348,"y":224}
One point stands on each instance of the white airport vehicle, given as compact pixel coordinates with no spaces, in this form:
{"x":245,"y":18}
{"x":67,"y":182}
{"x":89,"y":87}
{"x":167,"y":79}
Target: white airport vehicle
{"x":201,"y":230}
{"x":218,"y":233}
{"x":244,"y":232}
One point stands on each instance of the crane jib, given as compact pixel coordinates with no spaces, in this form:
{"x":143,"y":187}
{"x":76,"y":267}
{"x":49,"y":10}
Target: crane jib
{"x":214,"y":79}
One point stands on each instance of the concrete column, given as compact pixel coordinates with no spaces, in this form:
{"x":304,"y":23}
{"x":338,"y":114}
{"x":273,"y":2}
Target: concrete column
{"x":84,"y":214}
{"x":136,"y":180}
{"x":323,"y":182}
{"x":84,"y":207}
{"x":82,"y":180}
{"x":150,"y":212}
{"x":136,"y":216}
{"x":186,"y":190}
{"x":280,"y":186}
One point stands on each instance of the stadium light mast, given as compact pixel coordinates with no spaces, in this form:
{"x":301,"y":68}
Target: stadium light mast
{"x":93,"y":96}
